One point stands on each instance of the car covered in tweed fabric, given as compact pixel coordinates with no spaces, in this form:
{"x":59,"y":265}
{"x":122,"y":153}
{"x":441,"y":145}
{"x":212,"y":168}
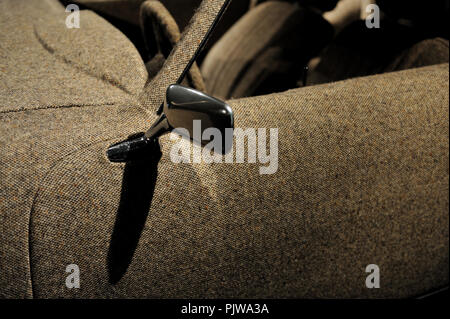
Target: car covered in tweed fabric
{"x":362,"y":179}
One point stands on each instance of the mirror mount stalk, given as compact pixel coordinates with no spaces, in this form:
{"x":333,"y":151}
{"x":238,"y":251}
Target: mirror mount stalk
{"x":183,"y":106}
{"x":160,"y":127}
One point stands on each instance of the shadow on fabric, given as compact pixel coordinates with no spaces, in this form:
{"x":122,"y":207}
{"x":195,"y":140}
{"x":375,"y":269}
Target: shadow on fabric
{"x":138,"y":186}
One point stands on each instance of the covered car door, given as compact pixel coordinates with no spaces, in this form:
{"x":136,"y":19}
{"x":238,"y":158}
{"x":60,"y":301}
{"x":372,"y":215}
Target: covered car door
{"x":362,"y":177}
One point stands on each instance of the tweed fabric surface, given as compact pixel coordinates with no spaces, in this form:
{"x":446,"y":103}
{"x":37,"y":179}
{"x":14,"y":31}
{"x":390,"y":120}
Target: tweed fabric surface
{"x":34,"y":77}
{"x":358,"y":183}
{"x":362,"y":179}
{"x":44,"y":64}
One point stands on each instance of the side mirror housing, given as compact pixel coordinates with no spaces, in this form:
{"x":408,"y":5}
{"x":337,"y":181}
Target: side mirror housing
{"x":186,"y":107}
{"x":183,"y":109}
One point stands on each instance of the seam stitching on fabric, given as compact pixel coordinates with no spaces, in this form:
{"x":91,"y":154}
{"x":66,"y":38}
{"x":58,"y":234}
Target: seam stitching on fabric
{"x":63,"y":59}
{"x":36,"y":195}
{"x":58,"y":107}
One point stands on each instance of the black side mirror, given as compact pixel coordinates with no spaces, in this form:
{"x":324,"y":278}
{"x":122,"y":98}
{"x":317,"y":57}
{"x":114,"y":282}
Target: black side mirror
{"x":182,"y":108}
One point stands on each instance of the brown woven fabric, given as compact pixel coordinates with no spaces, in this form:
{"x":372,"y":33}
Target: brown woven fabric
{"x":362,"y":179}
{"x":80,"y":70}
{"x":44,"y":64}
